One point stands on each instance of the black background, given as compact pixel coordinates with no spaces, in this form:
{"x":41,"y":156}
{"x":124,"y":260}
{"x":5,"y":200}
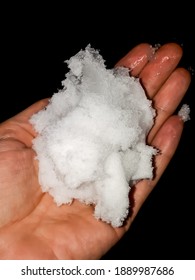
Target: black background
{"x":35,"y":43}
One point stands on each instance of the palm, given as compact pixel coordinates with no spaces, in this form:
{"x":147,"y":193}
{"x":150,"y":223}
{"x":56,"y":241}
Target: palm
{"x":31,"y":225}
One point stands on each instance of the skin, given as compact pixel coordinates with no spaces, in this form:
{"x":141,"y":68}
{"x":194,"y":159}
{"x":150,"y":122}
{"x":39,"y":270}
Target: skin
{"x":31,"y":225}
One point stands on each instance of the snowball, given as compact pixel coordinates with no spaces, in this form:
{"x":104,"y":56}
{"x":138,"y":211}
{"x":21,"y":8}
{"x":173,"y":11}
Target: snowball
{"x":91,"y":137}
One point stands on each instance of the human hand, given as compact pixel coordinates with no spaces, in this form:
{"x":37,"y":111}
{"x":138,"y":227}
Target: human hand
{"x":31,"y":225}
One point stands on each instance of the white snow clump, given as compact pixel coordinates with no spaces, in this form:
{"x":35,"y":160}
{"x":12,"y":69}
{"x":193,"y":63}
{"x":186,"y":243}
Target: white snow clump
{"x":184,"y":112}
{"x":91,"y":142}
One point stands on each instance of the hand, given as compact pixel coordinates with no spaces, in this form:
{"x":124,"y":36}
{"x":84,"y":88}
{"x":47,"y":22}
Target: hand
{"x":31,"y":225}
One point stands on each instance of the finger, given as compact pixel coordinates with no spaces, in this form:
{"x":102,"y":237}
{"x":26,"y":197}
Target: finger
{"x":162,"y":64}
{"x":18,"y":127}
{"x":137,"y":58}
{"x":22,"y":119}
{"x":166,"y":141}
{"x":169,"y":97}
{"x":34,"y":108}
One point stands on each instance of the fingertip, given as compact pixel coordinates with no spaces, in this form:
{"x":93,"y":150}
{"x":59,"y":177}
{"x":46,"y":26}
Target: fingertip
{"x":173,"y":49}
{"x":184,"y":74}
{"x":137,"y":58}
{"x":34,"y":108}
{"x":168,"y":136}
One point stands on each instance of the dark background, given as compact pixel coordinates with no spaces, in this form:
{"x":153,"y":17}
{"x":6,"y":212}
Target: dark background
{"x":34,"y":45}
